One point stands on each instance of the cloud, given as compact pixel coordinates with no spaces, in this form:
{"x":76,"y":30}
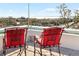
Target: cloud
{"x":10,"y":11}
{"x":46,"y":12}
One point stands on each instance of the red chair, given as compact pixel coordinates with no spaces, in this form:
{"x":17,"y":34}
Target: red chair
{"x":14,"y":37}
{"x":50,"y":37}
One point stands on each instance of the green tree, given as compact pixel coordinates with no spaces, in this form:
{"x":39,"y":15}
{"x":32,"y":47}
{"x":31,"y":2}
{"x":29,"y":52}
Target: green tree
{"x":76,"y":18}
{"x":65,"y":13}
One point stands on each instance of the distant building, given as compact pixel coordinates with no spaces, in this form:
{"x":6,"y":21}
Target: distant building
{"x":15,"y":22}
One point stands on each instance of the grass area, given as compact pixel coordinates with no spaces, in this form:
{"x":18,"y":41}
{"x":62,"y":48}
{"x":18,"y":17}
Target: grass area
{"x":1,"y":31}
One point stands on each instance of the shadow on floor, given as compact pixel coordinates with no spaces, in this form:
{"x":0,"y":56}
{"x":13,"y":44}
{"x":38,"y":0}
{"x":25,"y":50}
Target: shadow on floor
{"x":9,"y":50}
{"x":64,"y":51}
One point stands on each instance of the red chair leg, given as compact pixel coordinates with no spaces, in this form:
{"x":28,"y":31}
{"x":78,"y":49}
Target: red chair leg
{"x":59,"y":50}
{"x":34,"y":45}
{"x":19,"y":51}
{"x":4,"y":47}
{"x":4,"y":52}
{"x":25,"y":50}
{"x":34,"y":50}
{"x":40,"y":50}
{"x":50,"y":51}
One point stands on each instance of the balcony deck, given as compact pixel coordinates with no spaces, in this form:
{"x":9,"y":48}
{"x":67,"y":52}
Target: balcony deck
{"x":30,"y":51}
{"x":69,"y":44}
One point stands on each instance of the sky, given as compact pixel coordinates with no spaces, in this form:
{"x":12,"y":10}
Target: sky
{"x":36,"y":9}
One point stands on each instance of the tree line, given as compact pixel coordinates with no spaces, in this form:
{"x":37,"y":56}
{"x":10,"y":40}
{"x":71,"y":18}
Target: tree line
{"x":65,"y":19}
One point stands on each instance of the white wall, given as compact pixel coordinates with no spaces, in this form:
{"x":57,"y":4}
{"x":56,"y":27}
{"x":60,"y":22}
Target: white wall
{"x":1,"y":42}
{"x":70,"y":41}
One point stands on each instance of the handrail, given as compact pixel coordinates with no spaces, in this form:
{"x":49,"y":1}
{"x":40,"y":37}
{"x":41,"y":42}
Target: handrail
{"x":66,"y":30}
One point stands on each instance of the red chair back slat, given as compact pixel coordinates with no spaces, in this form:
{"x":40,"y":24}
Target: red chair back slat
{"x":15,"y":36}
{"x":51,"y":36}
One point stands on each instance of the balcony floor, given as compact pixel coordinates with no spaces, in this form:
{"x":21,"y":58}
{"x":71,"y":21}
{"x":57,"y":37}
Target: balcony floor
{"x":64,"y":51}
